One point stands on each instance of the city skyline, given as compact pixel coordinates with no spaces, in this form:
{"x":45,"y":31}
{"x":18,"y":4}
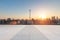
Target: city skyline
{"x":20,"y":8}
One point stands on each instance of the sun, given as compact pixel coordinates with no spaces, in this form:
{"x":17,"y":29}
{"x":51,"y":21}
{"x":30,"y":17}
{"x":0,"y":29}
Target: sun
{"x":42,"y":16}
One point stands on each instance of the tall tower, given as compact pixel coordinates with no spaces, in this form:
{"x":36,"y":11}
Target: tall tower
{"x":29,"y":13}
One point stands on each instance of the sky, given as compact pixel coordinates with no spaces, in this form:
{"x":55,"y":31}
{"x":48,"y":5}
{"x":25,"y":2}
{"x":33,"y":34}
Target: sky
{"x":19,"y":9}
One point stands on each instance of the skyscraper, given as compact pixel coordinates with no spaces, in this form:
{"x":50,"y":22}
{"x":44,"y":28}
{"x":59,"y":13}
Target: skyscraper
{"x":29,"y":13}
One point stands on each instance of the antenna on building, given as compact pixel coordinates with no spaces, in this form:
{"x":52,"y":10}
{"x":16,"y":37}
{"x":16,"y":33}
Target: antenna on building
{"x":29,"y":13}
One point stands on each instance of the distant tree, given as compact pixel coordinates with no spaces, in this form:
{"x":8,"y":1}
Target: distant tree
{"x":8,"y":20}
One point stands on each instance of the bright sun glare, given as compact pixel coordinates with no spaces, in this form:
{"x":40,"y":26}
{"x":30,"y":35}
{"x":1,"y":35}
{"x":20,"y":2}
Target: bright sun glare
{"x":43,"y":15}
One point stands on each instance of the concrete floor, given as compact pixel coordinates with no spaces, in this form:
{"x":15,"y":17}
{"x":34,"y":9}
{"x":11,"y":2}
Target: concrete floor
{"x":29,"y":32}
